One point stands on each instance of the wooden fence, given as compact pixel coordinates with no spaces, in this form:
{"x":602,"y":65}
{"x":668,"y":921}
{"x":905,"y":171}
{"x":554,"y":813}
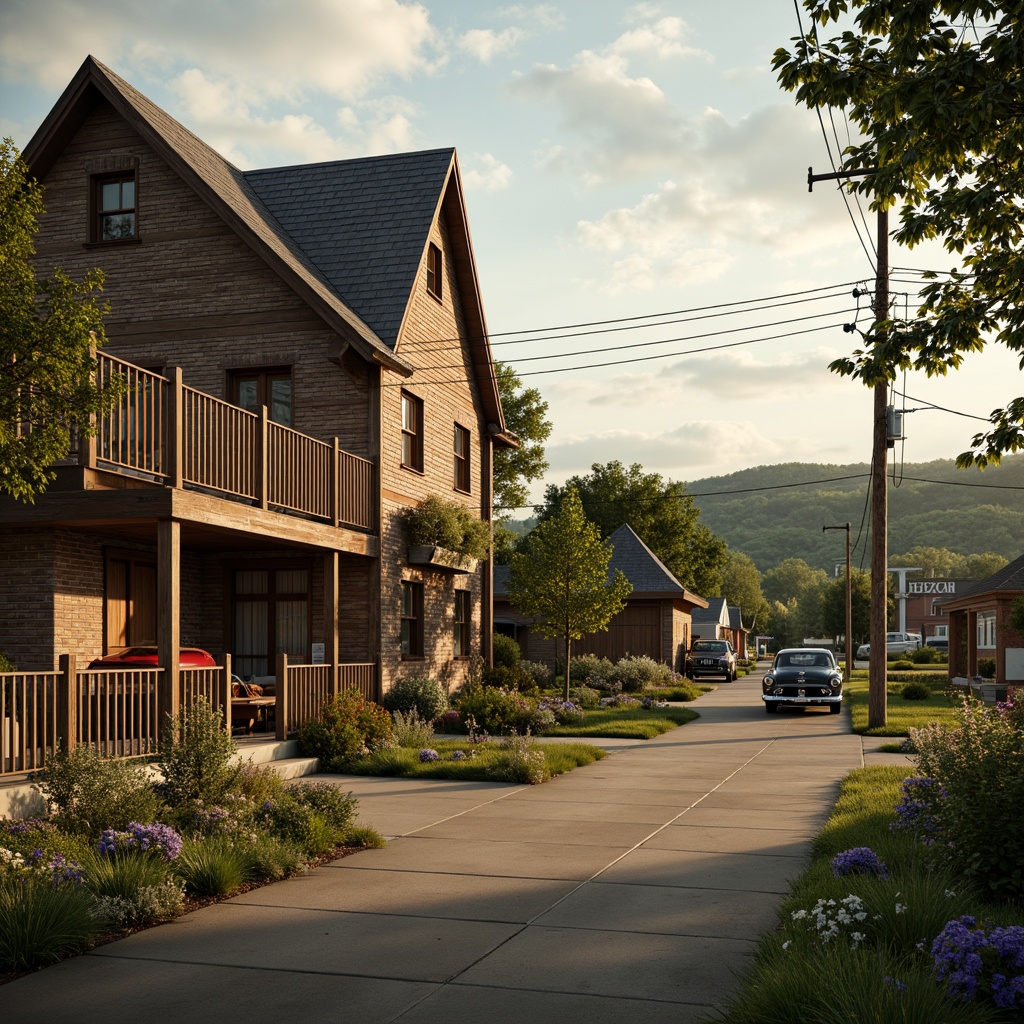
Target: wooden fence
{"x":122,"y":712}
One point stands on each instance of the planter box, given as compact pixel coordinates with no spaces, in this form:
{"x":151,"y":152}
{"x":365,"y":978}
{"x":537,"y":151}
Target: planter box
{"x":441,"y":558}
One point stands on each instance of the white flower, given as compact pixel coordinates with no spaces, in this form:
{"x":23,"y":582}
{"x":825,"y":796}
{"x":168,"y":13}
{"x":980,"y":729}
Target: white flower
{"x":858,"y":936}
{"x":787,"y":944}
{"x":900,"y":908}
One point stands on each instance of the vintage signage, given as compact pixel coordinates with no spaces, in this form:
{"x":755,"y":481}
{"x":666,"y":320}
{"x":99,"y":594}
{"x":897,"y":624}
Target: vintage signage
{"x":931,"y":587}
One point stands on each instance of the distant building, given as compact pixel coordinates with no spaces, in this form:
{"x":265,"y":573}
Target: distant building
{"x":656,"y":620}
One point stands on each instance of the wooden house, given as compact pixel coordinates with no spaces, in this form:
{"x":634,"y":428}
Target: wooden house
{"x":307,"y":358}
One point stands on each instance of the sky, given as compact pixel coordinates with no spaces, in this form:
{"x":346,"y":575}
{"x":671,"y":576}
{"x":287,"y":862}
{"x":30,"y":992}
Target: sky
{"x":649,"y":255}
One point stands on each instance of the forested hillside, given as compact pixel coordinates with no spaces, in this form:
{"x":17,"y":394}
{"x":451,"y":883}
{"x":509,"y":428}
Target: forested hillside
{"x":776,"y":512}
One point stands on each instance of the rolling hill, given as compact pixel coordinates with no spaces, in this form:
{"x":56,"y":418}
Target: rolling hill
{"x":776,"y":512}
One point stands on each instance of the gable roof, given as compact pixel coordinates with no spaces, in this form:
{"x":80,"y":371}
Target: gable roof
{"x":1009,"y":578}
{"x":714,"y":611}
{"x":638,"y":563}
{"x":736,"y":617}
{"x":317,"y":226}
{"x":367,"y":228}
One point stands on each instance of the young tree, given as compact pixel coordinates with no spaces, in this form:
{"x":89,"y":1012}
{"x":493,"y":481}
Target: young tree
{"x":562,"y":577}
{"x":741,"y":586}
{"x":46,"y":362}
{"x":661,"y":513}
{"x":833,"y":606}
{"x":526,"y":417}
{"x":933,"y":89}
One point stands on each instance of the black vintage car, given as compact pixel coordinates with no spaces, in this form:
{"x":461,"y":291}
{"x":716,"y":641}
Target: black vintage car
{"x":803,"y":676}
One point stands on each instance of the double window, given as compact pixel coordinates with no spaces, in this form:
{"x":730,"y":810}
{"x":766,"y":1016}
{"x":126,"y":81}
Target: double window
{"x":412,"y":432}
{"x":114,"y":208}
{"x":461,"y":452}
{"x":271,"y":616}
{"x":412,"y":619}
{"x":269,"y":387}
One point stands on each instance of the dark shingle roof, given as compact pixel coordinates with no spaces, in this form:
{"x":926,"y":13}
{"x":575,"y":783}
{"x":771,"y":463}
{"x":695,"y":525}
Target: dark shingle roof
{"x":1010,"y":577}
{"x":637,"y":562}
{"x":713,"y":612}
{"x":735,"y":617}
{"x":362,"y":223}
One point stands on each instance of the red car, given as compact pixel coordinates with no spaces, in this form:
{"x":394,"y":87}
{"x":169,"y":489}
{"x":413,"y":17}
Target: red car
{"x":146,"y":657}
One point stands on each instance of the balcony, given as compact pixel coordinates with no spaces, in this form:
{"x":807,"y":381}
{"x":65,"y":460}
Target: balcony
{"x":164,"y":433}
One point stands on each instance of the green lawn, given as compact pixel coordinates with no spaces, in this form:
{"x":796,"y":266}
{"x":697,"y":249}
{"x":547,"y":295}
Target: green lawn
{"x":900,"y":714}
{"x":483,"y":762}
{"x":626,"y":723}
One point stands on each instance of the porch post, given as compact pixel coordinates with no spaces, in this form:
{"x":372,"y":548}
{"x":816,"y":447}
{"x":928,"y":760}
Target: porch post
{"x":281,"y":706}
{"x":225,"y":693}
{"x":331,"y":626}
{"x":67,"y":705}
{"x":168,"y":616}
{"x":972,"y":644}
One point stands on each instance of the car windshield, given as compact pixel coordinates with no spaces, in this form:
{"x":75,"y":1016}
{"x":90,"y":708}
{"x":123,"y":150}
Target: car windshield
{"x":714,"y":646}
{"x":804,"y":659}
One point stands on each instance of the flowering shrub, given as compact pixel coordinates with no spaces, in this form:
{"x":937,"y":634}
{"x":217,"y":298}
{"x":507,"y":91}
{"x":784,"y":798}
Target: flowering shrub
{"x":620,"y":700}
{"x":348,"y":727}
{"x":518,"y":762}
{"x":36,"y":866}
{"x":973,"y":961}
{"x":564,"y":712}
{"x":450,"y":721}
{"x":585,"y":697}
{"x":861,"y":860}
{"x":496,"y":709}
{"x":427,"y":754}
{"x":832,"y":920}
{"x":161,"y":839}
{"x":918,"y":808}
{"x":424,"y":696}
{"x":641,"y":673}
{"x":980,"y":769}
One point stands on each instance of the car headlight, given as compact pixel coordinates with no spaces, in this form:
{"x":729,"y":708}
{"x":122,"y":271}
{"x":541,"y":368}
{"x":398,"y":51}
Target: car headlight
{"x":836,"y":683}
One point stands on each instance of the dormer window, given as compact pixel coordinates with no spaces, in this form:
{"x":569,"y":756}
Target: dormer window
{"x":434,"y":271}
{"x":114,"y":202}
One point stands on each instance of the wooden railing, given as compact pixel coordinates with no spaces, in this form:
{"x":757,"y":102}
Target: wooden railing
{"x":120,"y":712}
{"x":176,"y":435}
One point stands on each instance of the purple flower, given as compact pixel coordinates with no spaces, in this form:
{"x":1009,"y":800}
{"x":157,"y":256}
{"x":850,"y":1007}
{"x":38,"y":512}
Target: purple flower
{"x":458,"y":755}
{"x":159,"y":838}
{"x":970,"y":961}
{"x":861,"y":860}
{"x":427,"y":754}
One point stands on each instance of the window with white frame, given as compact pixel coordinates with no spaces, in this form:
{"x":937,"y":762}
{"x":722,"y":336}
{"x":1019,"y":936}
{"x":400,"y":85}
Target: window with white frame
{"x":986,"y":630}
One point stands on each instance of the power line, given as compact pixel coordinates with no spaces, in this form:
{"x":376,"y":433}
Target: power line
{"x":657,"y":319}
{"x":648,"y":344}
{"x":643,"y":359}
{"x":940,"y":408}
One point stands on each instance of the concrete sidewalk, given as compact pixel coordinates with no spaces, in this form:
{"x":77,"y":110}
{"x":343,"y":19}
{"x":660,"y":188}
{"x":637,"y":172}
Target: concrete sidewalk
{"x":632,"y":889}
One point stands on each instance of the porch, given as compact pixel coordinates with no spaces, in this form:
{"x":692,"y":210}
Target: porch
{"x":123,"y":712}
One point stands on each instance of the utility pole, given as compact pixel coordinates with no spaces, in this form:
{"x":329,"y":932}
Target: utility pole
{"x":877,"y":711}
{"x":849,"y":603}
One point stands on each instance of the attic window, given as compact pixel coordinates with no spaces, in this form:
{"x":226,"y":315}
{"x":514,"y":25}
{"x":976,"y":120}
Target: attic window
{"x":434,"y":268}
{"x":114,"y":205}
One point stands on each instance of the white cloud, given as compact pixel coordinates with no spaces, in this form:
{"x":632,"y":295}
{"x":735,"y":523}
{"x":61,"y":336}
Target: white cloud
{"x":692,"y":450}
{"x":269,"y":49}
{"x":490,"y":174}
{"x":746,"y":377}
{"x":628,"y":126}
{"x":541,"y":16}
{"x":485,"y":43}
{"x":663,"y":39}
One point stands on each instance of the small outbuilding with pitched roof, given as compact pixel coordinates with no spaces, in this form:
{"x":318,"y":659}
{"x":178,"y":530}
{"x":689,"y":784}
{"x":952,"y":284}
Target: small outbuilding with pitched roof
{"x":655,"y":622}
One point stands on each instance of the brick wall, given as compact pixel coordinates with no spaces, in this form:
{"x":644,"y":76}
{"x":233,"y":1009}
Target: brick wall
{"x":444,"y":381}
{"x":26,"y":598}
